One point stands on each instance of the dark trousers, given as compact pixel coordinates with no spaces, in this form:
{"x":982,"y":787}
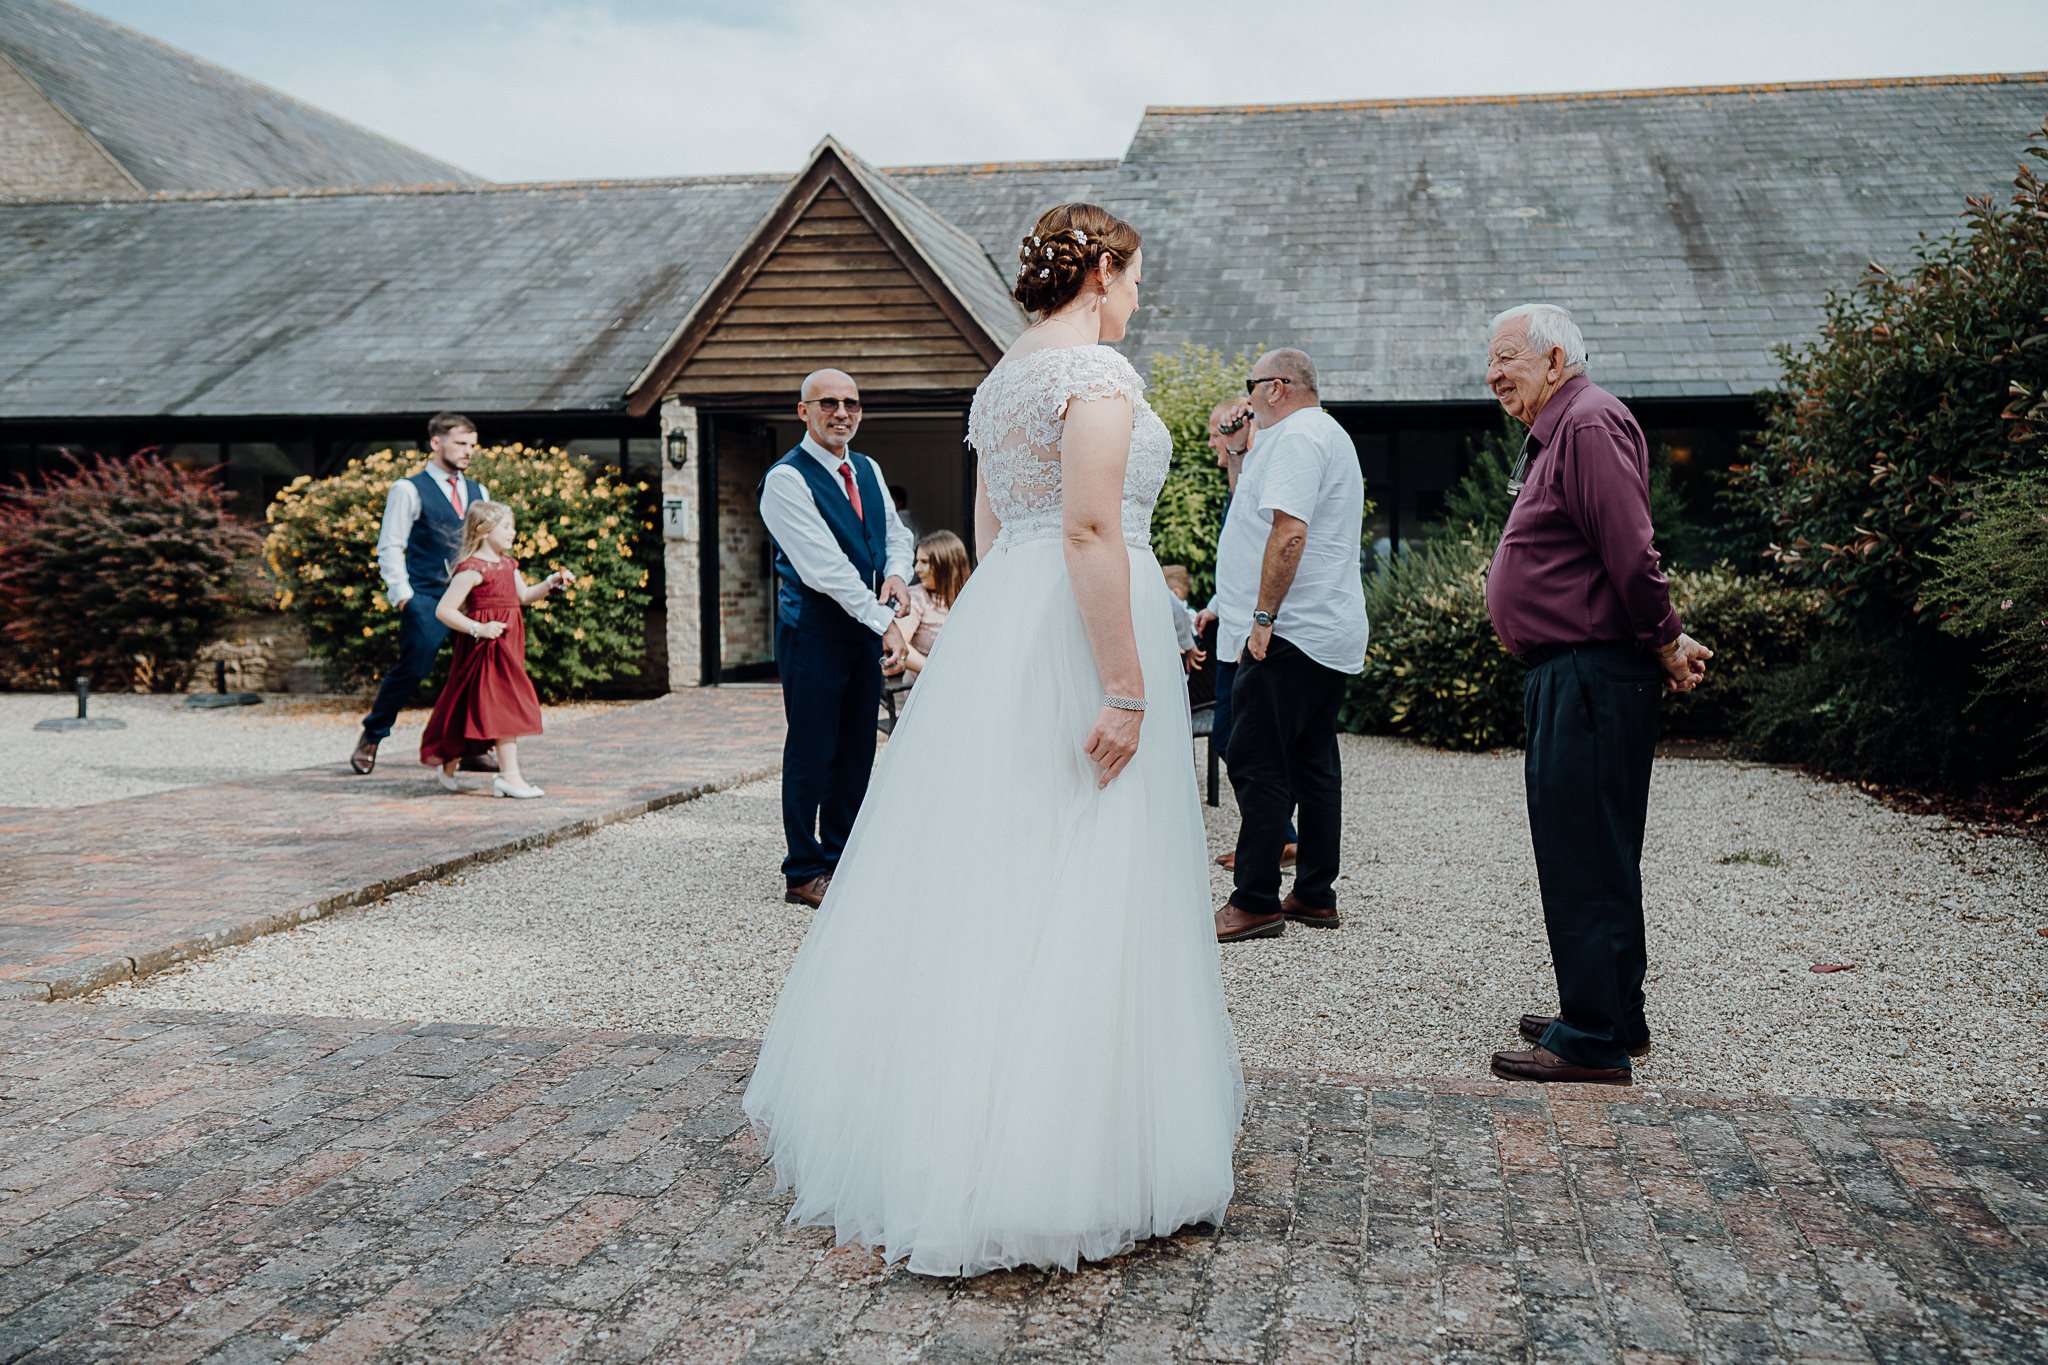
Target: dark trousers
{"x":420,"y":636}
{"x":1592,"y":717}
{"x":831,"y":690}
{"x":1283,"y":755}
{"x":1220,"y":718}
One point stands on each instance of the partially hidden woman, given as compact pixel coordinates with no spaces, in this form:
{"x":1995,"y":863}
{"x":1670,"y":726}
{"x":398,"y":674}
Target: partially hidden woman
{"x":1022,"y":1058}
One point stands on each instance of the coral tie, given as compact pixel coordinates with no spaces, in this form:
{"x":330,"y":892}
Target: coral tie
{"x":455,"y":492}
{"x":852,"y":493}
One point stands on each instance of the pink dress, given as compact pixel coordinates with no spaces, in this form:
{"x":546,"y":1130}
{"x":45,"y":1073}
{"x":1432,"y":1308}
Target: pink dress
{"x":930,"y":616}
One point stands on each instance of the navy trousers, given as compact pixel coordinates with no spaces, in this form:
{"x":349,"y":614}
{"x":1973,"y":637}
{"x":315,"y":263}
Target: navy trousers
{"x":1283,"y":754}
{"x":420,"y":636}
{"x":1592,"y":717}
{"x":1220,"y":718}
{"x":831,"y":690}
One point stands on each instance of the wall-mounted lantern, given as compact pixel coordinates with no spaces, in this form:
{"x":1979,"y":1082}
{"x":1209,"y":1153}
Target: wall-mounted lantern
{"x":678,"y":442}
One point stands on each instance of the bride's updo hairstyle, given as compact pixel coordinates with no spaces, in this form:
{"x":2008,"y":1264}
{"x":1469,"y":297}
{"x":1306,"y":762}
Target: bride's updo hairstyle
{"x":1057,"y":256}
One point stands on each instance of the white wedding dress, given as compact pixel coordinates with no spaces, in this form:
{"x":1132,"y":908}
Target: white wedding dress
{"x":1003,"y":1042}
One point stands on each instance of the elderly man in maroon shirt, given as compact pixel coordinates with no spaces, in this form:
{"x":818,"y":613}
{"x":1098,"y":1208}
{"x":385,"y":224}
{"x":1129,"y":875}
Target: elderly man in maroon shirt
{"x":1575,"y":591}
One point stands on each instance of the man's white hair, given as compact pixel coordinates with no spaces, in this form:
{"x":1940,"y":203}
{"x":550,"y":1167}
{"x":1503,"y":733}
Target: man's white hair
{"x":1549,"y":325}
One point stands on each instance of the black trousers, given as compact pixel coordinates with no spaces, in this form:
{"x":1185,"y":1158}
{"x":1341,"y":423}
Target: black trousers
{"x":831,"y":692}
{"x":1220,"y":720}
{"x":420,"y":637}
{"x":1592,"y":717}
{"x":1283,"y":757}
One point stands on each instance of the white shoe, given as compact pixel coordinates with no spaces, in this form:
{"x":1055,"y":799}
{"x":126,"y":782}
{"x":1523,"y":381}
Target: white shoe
{"x":447,"y":780}
{"x":520,"y":793}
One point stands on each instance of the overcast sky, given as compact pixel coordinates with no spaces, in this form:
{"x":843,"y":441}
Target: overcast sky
{"x":584,"y":89}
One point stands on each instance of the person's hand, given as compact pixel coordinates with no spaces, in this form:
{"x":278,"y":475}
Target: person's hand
{"x":1193,"y":658}
{"x":560,"y":578}
{"x":894,"y":595}
{"x":489,"y":630}
{"x":893,"y":651}
{"x":1685,"y":663}
{"x":1259,"y":641}
{"x":1204,"y":619}
{"x":1112,"y":742}
{"x":399,"y":605}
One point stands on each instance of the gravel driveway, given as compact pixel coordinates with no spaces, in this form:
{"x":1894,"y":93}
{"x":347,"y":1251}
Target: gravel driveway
{"x":1754,"y":874}
{"x":167,"y":745}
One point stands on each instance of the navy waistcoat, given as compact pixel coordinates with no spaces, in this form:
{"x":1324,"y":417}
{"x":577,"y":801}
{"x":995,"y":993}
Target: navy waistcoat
{"x":865,"y":543}
{"x":436,"y":540}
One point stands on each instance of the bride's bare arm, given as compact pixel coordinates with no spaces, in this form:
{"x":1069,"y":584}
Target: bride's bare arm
{"x":986,"y":524}
{"x":1093,"y":454}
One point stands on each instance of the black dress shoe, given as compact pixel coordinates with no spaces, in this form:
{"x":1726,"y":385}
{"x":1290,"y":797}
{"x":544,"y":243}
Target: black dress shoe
{"x":1534,"y":1026}
{"x":365,"y":756}
{"x":1541,"y":1064}
{"x":485,"y":762}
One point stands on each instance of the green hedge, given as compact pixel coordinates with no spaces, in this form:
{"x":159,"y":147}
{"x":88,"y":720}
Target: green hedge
{"x":1437,"y":672}
{"x":572,"y":514}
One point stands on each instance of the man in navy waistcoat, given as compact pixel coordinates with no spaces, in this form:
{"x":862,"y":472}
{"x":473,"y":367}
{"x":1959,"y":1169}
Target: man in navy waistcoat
{"x":417,"y":547}
{"x":841,"y":557}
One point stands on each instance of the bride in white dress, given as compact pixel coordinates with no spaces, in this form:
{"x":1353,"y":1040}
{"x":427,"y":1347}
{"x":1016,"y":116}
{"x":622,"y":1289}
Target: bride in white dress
{"x":1018,"y":1054}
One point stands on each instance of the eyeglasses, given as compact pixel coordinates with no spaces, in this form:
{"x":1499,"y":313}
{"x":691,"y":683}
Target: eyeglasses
{"x":835,"y":404}
{"x":1252,"y":385}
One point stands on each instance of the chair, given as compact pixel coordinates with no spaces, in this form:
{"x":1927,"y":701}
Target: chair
{"x":1202,"y":707}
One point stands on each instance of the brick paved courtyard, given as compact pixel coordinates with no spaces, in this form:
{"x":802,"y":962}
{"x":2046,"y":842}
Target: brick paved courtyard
{"x":183,"y":1185}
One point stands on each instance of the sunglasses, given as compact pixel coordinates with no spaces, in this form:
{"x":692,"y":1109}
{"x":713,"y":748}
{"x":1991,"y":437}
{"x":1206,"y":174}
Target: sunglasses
{"x":835,"y":404}
{"x":1251,"y":386}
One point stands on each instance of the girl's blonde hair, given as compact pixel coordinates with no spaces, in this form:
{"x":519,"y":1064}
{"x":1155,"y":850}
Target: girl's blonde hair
{"x":948,"y":556}
{"x":475,"y":526}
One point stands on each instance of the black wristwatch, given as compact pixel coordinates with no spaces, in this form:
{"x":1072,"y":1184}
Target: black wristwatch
{"x":1262,"y":618}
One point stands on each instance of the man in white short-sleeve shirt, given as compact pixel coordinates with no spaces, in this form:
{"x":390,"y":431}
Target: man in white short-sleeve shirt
{"x":1290,"y":610}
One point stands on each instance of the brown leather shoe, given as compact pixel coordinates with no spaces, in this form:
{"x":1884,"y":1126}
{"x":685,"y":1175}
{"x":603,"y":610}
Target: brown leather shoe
{"x":1541,"y":1064}
{"x":485,"y":762}
{"x":1310,"y":915}
{"x":1534,"y":1026}
{"x":811,"y":893}
{"x":1233,"y":924}
{"x":1229,"y":860}
{"x":364,"y":759}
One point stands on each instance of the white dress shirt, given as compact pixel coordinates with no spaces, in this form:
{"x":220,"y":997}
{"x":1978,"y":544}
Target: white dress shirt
{"x":401,"y":510}
{"x":1306,"y":466}
{"x":799,"y":528}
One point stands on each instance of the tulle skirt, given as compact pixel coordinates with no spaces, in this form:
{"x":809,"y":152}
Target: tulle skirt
{"x":1003,"y":1042}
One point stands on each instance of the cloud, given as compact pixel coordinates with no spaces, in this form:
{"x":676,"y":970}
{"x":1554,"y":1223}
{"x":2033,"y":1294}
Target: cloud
{"x":522,"y":90}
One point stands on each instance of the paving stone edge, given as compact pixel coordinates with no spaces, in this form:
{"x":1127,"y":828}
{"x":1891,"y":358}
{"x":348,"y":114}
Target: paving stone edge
{"x":114,"y":971}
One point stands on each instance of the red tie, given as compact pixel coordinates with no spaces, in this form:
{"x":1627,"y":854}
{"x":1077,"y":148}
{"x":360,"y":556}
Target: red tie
{"x":852,"y":493}
{"x":455,"y":492}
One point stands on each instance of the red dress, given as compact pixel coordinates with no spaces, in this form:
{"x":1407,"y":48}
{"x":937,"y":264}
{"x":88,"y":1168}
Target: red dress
{"x":488,"y":695}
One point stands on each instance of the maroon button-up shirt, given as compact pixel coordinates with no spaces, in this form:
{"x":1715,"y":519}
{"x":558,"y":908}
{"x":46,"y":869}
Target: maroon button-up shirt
{"x":1576,"y":564}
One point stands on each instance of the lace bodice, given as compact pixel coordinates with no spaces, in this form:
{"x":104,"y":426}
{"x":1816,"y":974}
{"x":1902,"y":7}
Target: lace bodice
{"x":1016,"y":423}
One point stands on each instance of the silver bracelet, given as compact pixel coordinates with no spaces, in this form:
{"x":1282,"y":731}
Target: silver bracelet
{"x":1123,"y":703}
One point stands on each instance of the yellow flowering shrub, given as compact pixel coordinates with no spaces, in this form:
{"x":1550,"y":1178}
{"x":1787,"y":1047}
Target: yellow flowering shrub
{"x":572,"y":513}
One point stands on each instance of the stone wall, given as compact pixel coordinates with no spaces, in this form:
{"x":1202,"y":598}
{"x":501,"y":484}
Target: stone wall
{"x":679,"y":553}
{"x":43,"y":153}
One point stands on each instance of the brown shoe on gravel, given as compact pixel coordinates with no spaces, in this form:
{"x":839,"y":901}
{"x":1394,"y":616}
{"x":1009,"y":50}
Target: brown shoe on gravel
{"x":1234,"y":925}
{"x":365,"y":756}
{"x":811,"y":893}
{"x":1534,"y":1026}
{"x":1308,"y":914}
{"x":1541,"y":1064}
{"x":1229,"y":860}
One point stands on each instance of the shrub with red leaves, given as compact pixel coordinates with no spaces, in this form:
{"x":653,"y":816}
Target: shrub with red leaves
{"x":119,"y":569}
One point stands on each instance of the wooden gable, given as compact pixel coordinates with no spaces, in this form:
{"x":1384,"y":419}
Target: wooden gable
{"x":832,"y":278}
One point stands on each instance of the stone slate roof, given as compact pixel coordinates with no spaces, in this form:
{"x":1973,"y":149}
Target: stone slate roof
{"x":174,"y":122}
{"x":1690,"y":230}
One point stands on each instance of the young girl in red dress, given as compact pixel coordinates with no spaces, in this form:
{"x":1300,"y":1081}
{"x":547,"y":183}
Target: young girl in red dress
{"x":488,"y":698}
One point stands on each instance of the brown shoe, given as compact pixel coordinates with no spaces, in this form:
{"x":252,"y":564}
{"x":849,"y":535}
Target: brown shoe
{"x":365,"y":757}
{"x":1308,"y":914}
{"x":1233,"y":924}
{"x":1229,"y":860}
{"x":485,"y":762}
{"x":811,"y":893}
{"x":1534,"y":1026}
{"x":1541,"y":1064}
